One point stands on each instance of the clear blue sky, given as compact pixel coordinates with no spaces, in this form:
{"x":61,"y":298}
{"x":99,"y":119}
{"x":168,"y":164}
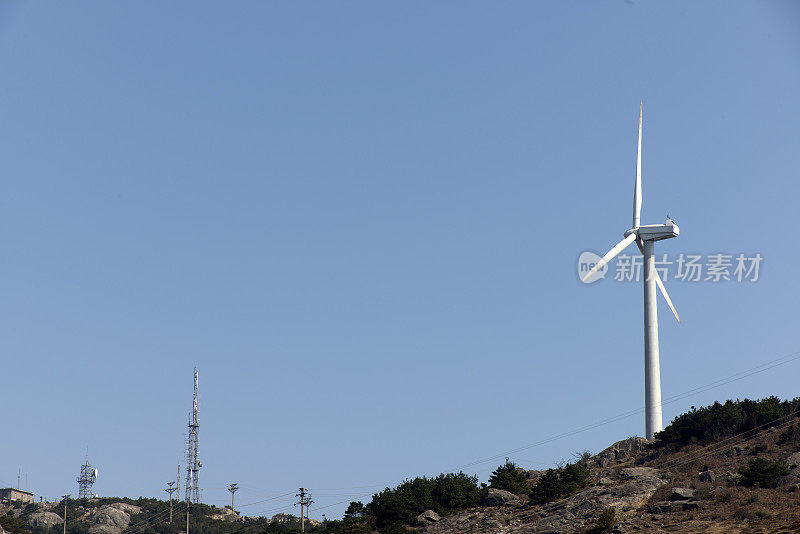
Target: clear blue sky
{"x":361,"y":222}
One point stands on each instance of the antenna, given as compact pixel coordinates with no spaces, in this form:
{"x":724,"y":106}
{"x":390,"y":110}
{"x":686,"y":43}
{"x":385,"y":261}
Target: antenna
{"x":86,"y":479}
{"x":193,"y":462}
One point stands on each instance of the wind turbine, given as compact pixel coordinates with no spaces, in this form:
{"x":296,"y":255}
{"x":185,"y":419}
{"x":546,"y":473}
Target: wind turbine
{"x":645,"y":236}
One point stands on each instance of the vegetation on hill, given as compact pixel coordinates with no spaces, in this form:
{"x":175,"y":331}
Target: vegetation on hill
{"x":561,"y":482}
{"x":745,"y":444}
{"x":153,"y":519}
{"x":718,"y":421}
{"x":510,"y":478}
{"x":402,"y":505}
{"x":13,"y":525}
{"x":762,"y":473}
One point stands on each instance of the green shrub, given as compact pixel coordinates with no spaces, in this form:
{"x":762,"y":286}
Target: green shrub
{"x":355,"y":510}
{"x":507,"y":477}
{"x":762,"y":473}
{"x":561,"y":482}
{"x":13,"y":525}
{"x":455,"y":491}
{"x":721,"y":420}
{"x":791,"y":435}
{"x":606,"y":521}
{"x":402,"y":505}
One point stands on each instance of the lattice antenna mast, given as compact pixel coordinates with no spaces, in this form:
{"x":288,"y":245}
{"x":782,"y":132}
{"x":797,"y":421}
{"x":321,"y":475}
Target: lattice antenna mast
{"x":193,"y":462}
{"x":86,"y":480}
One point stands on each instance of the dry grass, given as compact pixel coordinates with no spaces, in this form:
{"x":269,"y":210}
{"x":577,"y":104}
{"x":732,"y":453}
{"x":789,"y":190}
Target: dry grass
{"x":723,"y":506}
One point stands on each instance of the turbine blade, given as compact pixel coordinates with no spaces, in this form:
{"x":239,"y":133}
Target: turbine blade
{"x":637,"y":188}
{"x":619,"y":247}
{"x":666,"y":295}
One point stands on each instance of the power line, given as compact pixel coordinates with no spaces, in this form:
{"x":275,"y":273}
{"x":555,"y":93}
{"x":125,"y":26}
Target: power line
{"x":783,"y":360}
{"x":711,"y":385}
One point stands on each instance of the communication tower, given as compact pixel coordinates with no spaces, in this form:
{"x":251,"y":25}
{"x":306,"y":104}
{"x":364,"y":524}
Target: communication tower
{"x":193,"y":463}
{"x":86,"y":480}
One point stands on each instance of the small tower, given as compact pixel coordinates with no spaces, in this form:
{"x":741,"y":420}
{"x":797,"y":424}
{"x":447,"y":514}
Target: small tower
{"x":193,"y":462}
{"x":86,"y":480}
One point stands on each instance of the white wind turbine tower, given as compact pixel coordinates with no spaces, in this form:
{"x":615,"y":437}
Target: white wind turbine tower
{"x":645,"y":237}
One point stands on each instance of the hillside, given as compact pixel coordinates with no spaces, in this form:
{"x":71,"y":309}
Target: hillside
{"x":732,"y":467}
{"x":139,"y":516}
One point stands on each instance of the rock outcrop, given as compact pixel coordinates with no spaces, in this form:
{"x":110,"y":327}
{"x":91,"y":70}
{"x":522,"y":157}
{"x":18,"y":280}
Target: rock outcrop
{"x":621,"y":450}
{"x":681,"y":494}
{"x":112,"y":518}
{"x":226,"y":514}
{"x":624,"y":489}
{"x":498,"y":497}
{"x":44,"y":519}
{"x":428,"y":516}
{"x":289,"y":519}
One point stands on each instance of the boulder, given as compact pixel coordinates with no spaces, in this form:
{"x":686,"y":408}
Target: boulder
{"x":681,"y":494}
{"x":622,"y":449}
{"x":428,"y":516}
{"x":112,"y":518}
{"x":44,"y":519}
{"x":793,"y":463}
{"x":707,"y":476}
{"x":498,"y":497}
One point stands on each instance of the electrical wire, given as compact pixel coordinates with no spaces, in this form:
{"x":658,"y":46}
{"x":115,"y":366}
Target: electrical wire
{"x":141,"y":524}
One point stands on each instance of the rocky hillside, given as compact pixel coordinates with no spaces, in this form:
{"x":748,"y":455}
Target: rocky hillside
{"x":638,"y":488}
{"x":725,"y":468}
{"x":115,"y":516}
{"x":111,"y":518}
{"x":141,"y":516}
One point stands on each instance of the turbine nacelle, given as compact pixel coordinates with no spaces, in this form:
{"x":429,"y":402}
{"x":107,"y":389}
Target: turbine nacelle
{"x":655,"y":232}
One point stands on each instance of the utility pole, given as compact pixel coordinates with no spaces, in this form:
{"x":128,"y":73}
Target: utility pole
{"x":188,"y":504}
{"x":233,"y":487}
{"x":305,"y":501}
{"x":65,"y":513}
{"x":170,"y":489}
{"x":302,"y":502}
